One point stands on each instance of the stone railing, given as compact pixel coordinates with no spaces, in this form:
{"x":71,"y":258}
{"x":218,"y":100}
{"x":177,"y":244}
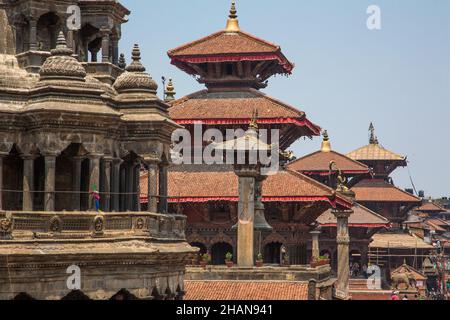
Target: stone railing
{"x":80,"y":225}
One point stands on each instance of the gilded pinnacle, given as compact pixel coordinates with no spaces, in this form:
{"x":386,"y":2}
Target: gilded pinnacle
{"x":326,"y":145}
{"x":233,"y":22}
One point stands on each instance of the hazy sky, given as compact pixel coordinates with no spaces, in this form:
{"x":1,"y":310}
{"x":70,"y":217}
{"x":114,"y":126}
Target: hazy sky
{"x":346,"y":75}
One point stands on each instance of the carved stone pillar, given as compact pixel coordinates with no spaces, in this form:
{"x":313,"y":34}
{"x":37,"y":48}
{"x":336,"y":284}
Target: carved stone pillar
{"x":137,"y":187}
{"x":28,"y":182}
{"x":106,"y":187}
{"x":76,"y":183}
{"x":246,"y":217}
{"x":163,"y":186}
{"x":94,"y":177}
{"x":315,"y":244}
{"x":343,"y":242}
{"x":115,"y":50}
{"x":1,"y":180}
{"x":152,"y":190}
{"x":129,"y":197}
{"x":50,"y":167}
{"x":116,"y":184}
{"x":105,"y":45}
{"x":33,"y":35}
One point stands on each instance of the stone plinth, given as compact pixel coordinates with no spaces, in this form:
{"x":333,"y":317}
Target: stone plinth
{"x":105,"y":72}
{"x":32,"y":61}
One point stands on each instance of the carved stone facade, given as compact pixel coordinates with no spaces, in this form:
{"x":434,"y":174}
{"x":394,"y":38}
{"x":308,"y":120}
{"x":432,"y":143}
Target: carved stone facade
{"x":72,"y":146}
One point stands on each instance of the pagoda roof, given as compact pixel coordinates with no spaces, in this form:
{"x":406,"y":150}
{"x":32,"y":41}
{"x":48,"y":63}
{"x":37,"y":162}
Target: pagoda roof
{"x":362,"y":217}
{"x":204,"y":183}
{"x":318,"y":163}
{"x":430,"y":206}
{"x":375,"y":152}
{"x":225,"y":46}
{"x":398,"y":241}
{"x":378,"y":190}
{"x":237,"y":108}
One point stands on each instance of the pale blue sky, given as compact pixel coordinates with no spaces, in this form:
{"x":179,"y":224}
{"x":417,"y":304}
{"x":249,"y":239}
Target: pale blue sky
{"x":345,"y":77}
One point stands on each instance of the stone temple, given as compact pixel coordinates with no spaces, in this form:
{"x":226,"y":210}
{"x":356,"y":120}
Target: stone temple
{"x":75,"y":132}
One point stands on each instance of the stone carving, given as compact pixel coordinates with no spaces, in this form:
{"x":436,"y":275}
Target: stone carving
{"x":99,"y":224}
{"x":140,"y":224}
{"x":55,"y":224}
{"x":6,"y":225}
{"x":406,"y":278}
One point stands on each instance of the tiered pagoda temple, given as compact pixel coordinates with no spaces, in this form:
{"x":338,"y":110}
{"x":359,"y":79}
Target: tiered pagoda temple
{"x":235,"y":66}
{"x":71,"y":150}
{"x":323,"y":166}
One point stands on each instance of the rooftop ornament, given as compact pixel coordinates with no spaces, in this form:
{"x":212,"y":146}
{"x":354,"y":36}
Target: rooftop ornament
{"x":326,"y":145}
{"x":373,"y":138}
{"x":233,"y":22}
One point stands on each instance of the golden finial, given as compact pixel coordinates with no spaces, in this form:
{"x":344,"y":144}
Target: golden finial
{"x":326,"y":145}
{"x":170,"y":91}
{"x":254,"y":122}
{"x":233,"y":22}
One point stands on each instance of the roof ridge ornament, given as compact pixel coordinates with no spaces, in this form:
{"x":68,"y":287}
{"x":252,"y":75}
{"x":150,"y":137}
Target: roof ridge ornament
{"x":326,"y":145}
{"x":373,"y":138}
{"x":233,"y":22}
{"x":254,"y":122}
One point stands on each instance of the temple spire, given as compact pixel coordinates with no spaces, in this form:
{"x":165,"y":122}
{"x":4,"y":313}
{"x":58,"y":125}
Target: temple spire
{"x":254,"y":122}
{"x":326,"y":145}
{"x":170,"y":92}
{"x":136,"y":65}
{"x":233,"y":22}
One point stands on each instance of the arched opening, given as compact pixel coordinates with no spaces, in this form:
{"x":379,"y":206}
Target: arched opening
{"x":91,"y":43}
{"x":130,"y":170}
{"x":22,"y":33}
{"x":48,"y":27}
{"x":12,"y":181}
{"x":272,"y":253}
{"x":123,"y":295}
{"x":23,"y":296}
{"x":219,"y":251}
{"x":76,"y":295}
{"x":201,"y":246}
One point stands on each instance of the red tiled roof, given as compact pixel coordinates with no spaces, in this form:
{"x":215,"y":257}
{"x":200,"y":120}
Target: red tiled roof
{"x":378,"y":190}
{"x":319,"y":162}
{"x":228,"y":108}
{"x":226,"y":46}
{"x":430,"y":206}
{"x":202,"y":183}
{"x":375,"y":152}
{"x":362,"y":217}
{"x":245,"y":290}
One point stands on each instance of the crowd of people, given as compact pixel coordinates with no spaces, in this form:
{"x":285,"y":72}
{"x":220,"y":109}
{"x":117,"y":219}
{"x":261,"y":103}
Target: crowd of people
{"x":356,"y":270}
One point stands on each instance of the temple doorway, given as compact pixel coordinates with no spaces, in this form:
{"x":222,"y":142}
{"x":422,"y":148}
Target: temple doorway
{"x":272,"y":253}
{"x":219,"y":251}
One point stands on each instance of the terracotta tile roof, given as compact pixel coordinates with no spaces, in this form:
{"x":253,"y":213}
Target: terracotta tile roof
{"x":319,"y":162}
{"x":436,"y":225}
{"x":237,"y":108}
{"x":245,"y":290}
{"x":362,"y":217}
{"x":398,"y":241}
{"x":430,"y":206}
{"x":203,"y":183}
{"x":378,"y":190}
{"x":229,"y":46}
{"x":375,"y":152}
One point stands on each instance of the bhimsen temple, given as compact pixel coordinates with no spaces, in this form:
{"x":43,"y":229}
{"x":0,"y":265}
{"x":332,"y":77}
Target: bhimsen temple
{"x":74,"y":134}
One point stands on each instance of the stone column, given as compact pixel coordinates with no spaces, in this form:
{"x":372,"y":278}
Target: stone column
{"x":152,"y":190}
{"x":315,"y":244}
{"x":33,"y":35}
{"x":163,"y":186}
{"x":137,"y":186}
{"x":106,"y":188}
{"x":50,"y":167}
{"x":28,"y":182}
{"x":94,"y":177}
{"x":116,"y":184}
{"x":246,"y":216}
{"x":129,"y":187}
{"x":105,"y":44}
{"x":115,"y":51}
{"x":1,"y":180}
{"x":76,"y":183}
{"x":343,"y":241}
